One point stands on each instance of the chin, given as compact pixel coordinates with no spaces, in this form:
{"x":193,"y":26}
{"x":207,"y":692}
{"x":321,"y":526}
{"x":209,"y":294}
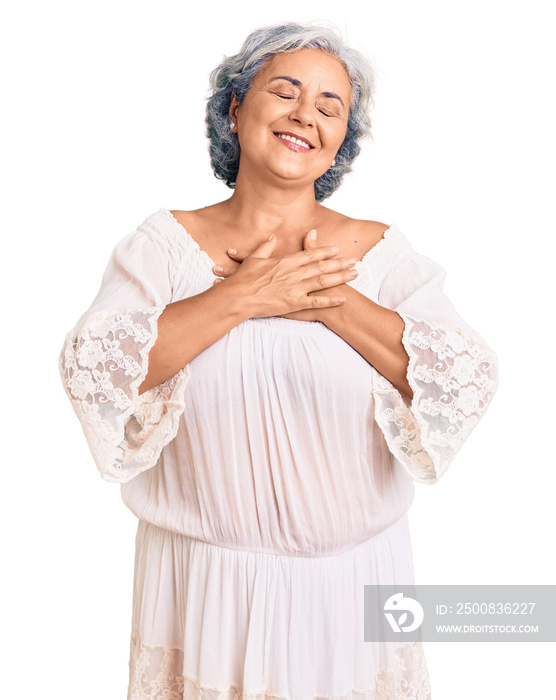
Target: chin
{"x":295,"y":172}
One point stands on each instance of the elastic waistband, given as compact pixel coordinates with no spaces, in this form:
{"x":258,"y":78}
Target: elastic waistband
{"x":399,"y":525}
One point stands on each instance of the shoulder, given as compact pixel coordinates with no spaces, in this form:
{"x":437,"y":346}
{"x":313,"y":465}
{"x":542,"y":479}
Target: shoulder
{"x":195,"y":219}
{"x":364,"y":227}
{"x":164,"y":233}
{"x":357,"y":235}
{"x":369,"y":231}
{"x":185,"y":218}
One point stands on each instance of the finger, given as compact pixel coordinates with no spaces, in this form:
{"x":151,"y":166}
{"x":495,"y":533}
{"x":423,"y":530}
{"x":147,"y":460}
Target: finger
{"x":333,"y":279}
{"x":321,"y":268}
{"x":237,"y":256}
{"x":310,"y":240}
{"x":224,"y":271}
{"x":323,"y":301}
{"x":329,"y":265}
{"x":321,"y":260}
{"x":217,"y":280}
{"x":315,"y":254}
{"x":240,"y":255}
{"x":265,"y":249}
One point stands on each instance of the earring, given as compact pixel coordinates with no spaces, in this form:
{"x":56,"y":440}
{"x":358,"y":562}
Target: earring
{"x":232,"y":124}
{"x":333,"y":162}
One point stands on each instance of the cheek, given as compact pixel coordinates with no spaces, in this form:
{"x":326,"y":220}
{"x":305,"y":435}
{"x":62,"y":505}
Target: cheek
{"x":336,"y":136}
{"x":252,"y":124}
{"x":260,"y":109}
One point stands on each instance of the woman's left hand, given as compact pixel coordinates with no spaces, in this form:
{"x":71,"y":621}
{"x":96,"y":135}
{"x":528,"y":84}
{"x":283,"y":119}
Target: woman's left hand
{"x":303,"y":314}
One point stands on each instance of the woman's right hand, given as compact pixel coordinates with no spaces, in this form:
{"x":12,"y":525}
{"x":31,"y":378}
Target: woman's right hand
{"x":262,"y":285}
{"x":273,"y":286}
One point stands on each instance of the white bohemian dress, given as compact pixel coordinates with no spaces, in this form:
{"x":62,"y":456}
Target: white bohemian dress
{"x":272,"y":475}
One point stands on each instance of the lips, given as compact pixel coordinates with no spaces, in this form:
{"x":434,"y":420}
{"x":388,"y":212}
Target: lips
{"x":294,"y":141}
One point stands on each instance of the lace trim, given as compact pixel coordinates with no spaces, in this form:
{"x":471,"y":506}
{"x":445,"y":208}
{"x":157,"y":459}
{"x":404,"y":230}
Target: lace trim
{"x":453,"y":375}
{"x":156,"y":674}
{"x":102,"y":366}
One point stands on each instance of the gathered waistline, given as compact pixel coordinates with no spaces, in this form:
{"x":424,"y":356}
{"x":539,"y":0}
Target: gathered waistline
{"x":267,"y":553}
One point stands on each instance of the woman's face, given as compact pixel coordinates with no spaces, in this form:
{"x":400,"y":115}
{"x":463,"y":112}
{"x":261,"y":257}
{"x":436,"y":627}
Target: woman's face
{"x":303,"y":95}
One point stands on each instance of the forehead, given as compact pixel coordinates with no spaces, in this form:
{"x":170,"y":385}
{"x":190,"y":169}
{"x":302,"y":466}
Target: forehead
{"x":309,"y":66}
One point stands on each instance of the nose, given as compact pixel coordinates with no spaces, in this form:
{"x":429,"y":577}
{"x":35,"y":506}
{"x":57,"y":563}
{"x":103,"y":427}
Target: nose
{"x":302,"y":112}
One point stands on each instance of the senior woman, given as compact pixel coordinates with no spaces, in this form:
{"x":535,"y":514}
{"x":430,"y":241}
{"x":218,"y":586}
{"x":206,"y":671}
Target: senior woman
{"x":266,"y":378}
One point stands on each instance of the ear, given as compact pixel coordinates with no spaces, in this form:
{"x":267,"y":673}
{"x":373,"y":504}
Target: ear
{"x":234,"y":105}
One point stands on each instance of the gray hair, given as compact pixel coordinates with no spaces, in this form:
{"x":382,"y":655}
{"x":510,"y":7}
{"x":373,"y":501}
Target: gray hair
{"x":236,"y":73}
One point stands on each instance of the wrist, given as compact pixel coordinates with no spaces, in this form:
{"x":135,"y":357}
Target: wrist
{"x":332,"y":315}
{"x":229,"y":298}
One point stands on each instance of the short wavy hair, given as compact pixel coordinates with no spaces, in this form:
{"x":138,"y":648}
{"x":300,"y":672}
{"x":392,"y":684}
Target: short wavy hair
{"x":236,"y":73}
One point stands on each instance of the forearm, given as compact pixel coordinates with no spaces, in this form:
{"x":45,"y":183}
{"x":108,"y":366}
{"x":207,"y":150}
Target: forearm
{"x":186,"y":328}
{"x":374,"y":331}
{"x":262,"y":286}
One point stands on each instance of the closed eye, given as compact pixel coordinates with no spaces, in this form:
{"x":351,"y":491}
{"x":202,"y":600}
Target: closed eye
{"x":292,"y":97}
{"x":329,"y":109}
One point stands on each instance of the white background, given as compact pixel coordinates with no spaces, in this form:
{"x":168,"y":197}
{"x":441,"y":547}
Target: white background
{"x":103,"y":123}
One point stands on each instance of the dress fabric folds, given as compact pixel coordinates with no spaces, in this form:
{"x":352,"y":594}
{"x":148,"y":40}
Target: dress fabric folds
{"x":272,"y":475}
{"x":266,"y":625}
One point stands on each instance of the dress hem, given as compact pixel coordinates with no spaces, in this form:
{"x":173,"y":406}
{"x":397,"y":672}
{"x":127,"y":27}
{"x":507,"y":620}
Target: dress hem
{"x":408,"y":679}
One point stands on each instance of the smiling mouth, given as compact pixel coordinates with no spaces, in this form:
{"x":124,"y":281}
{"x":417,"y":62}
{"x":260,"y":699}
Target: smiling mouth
{"x":293,"y":142}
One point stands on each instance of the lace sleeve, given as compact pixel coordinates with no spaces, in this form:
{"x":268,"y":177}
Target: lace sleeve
{"x":102,"y":366}
{"x":453,"y":374}
{"x":104,"y":360}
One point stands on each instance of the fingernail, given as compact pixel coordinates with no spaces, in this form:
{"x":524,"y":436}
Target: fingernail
{"x":335,"y":249}
{"x":312,"y":234}
{"x":233,"y":251}
{"x":218,"y":268}
{"x":351,"y":261}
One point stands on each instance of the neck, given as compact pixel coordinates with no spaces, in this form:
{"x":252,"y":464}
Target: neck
{"x":266,"y":208}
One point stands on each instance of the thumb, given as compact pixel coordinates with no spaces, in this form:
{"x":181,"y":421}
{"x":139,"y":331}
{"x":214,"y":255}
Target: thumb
{"x":310,"y":240}
{"x":266,"y":248}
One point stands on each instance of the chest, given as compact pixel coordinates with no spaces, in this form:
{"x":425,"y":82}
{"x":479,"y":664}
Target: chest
{"x":352,"y":238}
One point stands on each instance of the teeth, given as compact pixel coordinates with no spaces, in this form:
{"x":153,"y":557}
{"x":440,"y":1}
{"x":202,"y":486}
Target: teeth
{"x":287,"y":137}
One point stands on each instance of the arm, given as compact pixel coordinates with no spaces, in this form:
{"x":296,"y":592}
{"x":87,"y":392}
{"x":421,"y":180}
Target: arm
{"x":373,"y":330}
{"x":186,"y":328}
{"x":125,"y":364}
{"x":262,"y":286}
{"x":449,"y":368}
{"x":105,"y":358}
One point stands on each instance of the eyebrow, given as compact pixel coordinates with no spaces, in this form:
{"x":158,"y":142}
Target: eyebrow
{"x":297,"y":83}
